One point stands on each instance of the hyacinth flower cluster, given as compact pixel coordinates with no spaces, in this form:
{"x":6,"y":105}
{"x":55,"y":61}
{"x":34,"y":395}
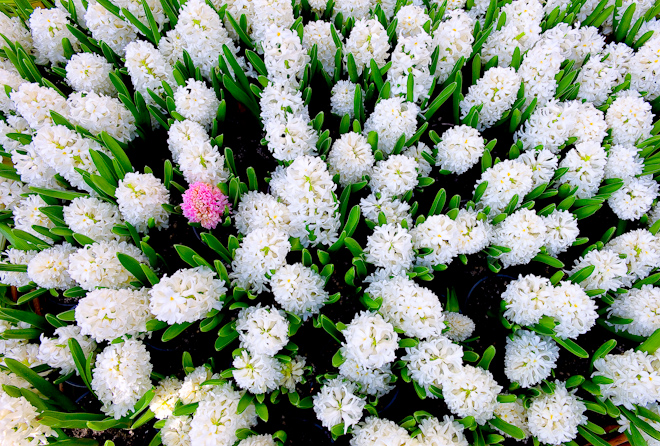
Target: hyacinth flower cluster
{"x":393,"y":222}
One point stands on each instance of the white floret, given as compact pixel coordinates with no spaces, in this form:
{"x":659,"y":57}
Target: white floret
{"x":496,"y":90}
{"x":48,"y":27}
{"x":554,"y":418}
{"x":342,"y":99}
{"x":187,"y":295}
{"x":390,"y":247}
{"x":409,"y":307}
{"x":257,"y":373}
{"x":368,"y":40}
{"x":291,"y":137}
{"x":90,"y":72}
{"x":262,"y":330}
{"x":523,"y":232}
{"x":460,"y":327}
{"x":108,"y":314}
{"x":101,"y":113}
{"x":430,"y":362}
{"x":394,"y":176}
{"x":586,"y":168}
{"x":529,"y":358}
{"x":370,"y":340}
{"x":97,"y":265}
{"x":471,"y":391}
{"x":392,"y":118}
{"x":299,"y":289}
{"x":505,"y":180}
{"x":261,"y":251}
{"x":527,"y":299}
{"x":49,"y":268}
{"x":197,"y":102}
{"x":140,"y":197}
{"x":609,"y":273}
{"x":217,"y":420}
{"x":122,"y":376}
{"x":635,"y":198}
{"x":561,"y":231}
{"x":439,"y":234}
{"x":166,"y":396}
{"x":623,"y":162}
{"x":461,"y":148}
{"x":642,"y":306}
{"x":337,"y":403}
{"x":55,"y":351}
{"x":15,"y":256}
{"x":351,"y":157}
{"x":642,"y":253}
{"x":92,"y":218}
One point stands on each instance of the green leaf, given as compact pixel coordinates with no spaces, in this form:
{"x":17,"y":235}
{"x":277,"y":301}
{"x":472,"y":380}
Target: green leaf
{"x":439,"y":100}
{"x":598,"y":408}
{"x":28,"y":317}
{"x":31,"y":295}
{"x":595,"y":440}
{"x":142,"y":28}
{"x":185,"y":409}
{"x":572,"y":347}
{"x":245,"y":402}
{"x":506,"y":398}
{"x":352,"y":221}
{"x":43,"y":386}
{"x":646,"y":413}
{"x":67,"y":316}
{"x":582,"y":274}
{"x":241,"y":33}
{"x":152,"y":23}
{"x":338,"y":359}
{"x":507,"y":428}
{"x":210,"y":323}
{"x":262,"y":411}
{"x":651,"y":344}
{"x":353,"y":246}
{"x":21,"y":333}
{"x":602,"y":351}
{"x":118,"y":152}
{"x":224,"y":341}
{"x":187,"y":254}
{"x":83,"y":239}
{"x":337,"y":430}
{"x":61,"y":194}
{"x":174,"y":331}
{"x":486,"y":358}
{"x":470,"y":356}
{"x":548,"y":260}
{"x":408,"y":343}
{"x":80,"y":361}
{"x":105,"y":167}
{"x":438,"y":203}
{"x":108,"y":423}
{"x":623,"y":25}
{"x":67,"y":420}
{"x":215,"y":245}
{"x":145,"y":418}
{"x":330,"y":327}
{"x":133,"y":267}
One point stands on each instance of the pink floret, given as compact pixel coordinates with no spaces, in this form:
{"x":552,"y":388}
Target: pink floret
{"x":204,"y":203}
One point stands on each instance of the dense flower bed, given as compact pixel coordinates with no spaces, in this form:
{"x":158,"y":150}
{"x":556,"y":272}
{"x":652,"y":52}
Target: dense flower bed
{"x":239,"y":222}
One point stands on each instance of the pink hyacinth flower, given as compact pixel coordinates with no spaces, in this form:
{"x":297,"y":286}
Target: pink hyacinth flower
{"x":204,"y":203}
